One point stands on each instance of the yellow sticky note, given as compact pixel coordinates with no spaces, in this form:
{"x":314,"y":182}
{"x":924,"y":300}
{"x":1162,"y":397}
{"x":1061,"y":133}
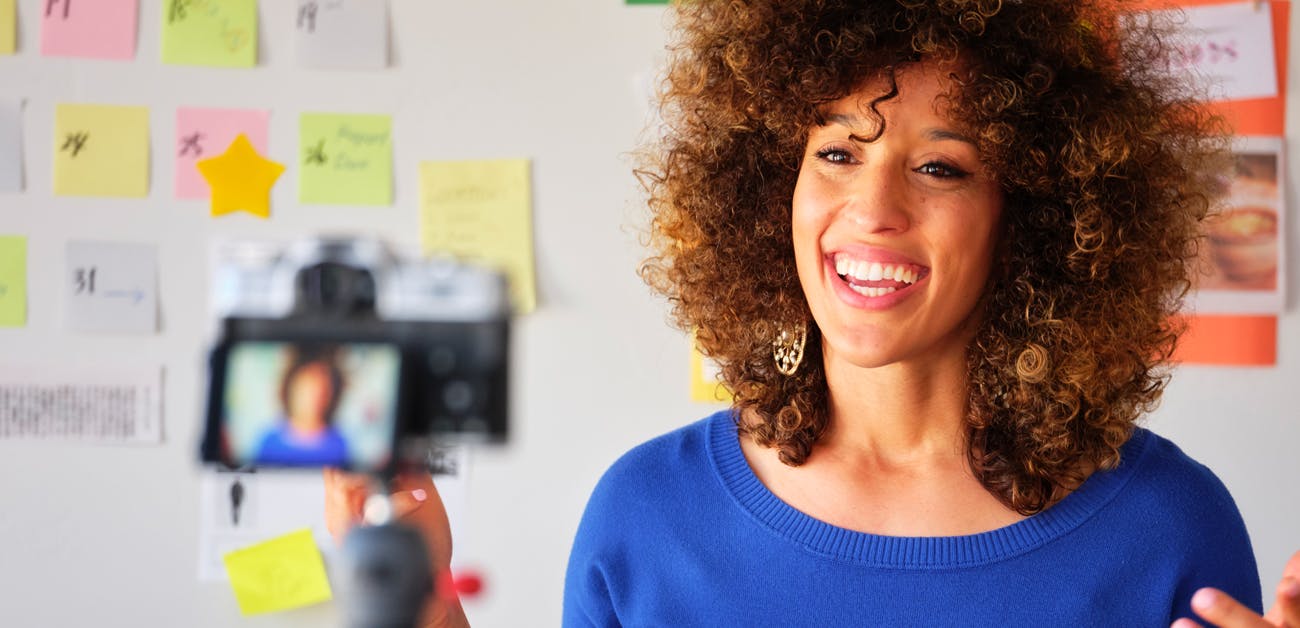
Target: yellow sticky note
{"x":13,"y":281}
{"x":8,"y":26}
{"x":482,"y":211}
{"x":219,"y":33}
{"x":706,"y":382}
{"x":101,"y":150}
{"x":277,"y":575}
{"x":347,"y":159}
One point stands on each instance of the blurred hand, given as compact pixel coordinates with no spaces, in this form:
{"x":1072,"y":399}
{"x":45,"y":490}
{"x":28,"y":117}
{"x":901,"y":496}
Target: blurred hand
{"x":1221,"y":610}
{"x":416,"y":503}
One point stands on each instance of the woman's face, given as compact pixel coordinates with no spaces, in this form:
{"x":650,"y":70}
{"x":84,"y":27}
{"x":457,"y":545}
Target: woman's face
{"x":310,"y":393}
{"x":894,"y":239}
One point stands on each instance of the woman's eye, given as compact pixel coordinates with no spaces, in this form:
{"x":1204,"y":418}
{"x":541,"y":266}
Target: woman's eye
{"x":941,"y":170}
{"x":835,"y":156}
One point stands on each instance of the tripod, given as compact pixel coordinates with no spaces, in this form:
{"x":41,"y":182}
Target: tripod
{"x":385,"y":578}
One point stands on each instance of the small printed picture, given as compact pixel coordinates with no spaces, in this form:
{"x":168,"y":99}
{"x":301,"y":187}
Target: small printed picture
{"x":1242,"y":261}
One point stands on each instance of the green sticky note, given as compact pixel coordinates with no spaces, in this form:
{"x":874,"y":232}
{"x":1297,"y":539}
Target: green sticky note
{"x":101,"y":150}
{"x":277,"y":575}
{"x":219,"y":33}
{"x":345,"y":159}
{"x":8,"y":26}
{"x":13,"y":281}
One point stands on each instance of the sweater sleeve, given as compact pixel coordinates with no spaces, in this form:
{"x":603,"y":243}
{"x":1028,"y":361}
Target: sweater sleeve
{"x":1218,"y":553}
{"x":587,"y":597}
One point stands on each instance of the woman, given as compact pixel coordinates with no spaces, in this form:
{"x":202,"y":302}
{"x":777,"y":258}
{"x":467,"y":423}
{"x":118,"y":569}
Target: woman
{"x":935,"y":247}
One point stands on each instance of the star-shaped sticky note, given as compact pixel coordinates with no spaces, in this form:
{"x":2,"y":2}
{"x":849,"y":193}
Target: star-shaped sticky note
{"x":240,"y":179}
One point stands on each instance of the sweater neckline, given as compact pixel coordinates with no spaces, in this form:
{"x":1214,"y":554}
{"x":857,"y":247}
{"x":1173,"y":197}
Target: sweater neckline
{"x":899,"y":552}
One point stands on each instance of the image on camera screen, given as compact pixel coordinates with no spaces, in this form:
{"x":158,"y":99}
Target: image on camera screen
{"x":311,"y":404}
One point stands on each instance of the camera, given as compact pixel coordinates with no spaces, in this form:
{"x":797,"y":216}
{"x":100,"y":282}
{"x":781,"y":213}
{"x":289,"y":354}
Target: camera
{"x":340,"y":352}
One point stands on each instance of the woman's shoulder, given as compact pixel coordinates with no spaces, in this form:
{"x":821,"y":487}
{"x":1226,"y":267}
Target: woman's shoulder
{"x":1166,"y":477}
{"x":672,"y":459}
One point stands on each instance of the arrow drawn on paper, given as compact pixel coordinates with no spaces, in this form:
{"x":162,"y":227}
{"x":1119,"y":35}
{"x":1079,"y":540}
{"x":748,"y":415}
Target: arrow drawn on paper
{"x":134,"y":295}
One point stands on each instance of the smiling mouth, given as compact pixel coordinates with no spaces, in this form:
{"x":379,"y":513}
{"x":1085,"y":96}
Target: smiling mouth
{"x":876,"y":279}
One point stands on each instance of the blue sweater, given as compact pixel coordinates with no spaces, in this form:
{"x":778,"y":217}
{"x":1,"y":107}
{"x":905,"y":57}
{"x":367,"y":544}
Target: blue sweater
{"x":680,"y":532}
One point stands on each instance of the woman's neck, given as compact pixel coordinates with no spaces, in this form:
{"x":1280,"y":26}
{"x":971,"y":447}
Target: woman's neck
{"x":900,"y":414}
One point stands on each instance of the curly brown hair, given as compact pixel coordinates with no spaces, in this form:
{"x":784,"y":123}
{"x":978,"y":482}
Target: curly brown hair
{"x":1107,"y":165}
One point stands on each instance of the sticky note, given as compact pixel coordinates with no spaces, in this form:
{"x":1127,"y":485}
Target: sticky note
{"x":342,"y":34}
{"x":345,"y":159}
{"x":204,"y":133}
{"x":102,"y":29}
{"x":111,"y":287}
{"x":241,"y":179}
{"x":11,"y":146}
{"x":8,"y":26}
{"x":219,"y":33}
{"x":276,"y":575}
{"x":706,"y":379}
{"x":101,"y":150}
{"x":482,"y":211}
{"x":13,"y":281}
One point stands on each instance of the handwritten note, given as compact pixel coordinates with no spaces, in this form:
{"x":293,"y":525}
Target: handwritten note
{"x":101,"y":150}
{"x":482,"y":211}
{"x":113,"y":404}
{"x":11,"y":146}
{"x":219,"y":33}
{"x":282,"y":573}
{"x":342,"y":34}
{"x":204,"y":133}
{"x":1226,"y":48}
{"x":103,"y":29}
{"x":8,"y":26}
{"x":112,"y":287}
{"x":345,"y":159}
{"x":13,"y":281}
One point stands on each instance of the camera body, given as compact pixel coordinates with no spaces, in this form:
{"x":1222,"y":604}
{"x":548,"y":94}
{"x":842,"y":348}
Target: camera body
{"x":340,"y":352}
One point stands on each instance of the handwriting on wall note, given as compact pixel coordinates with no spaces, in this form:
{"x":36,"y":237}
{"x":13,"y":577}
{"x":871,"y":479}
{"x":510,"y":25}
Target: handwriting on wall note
{"x":113,"y":287}
{"x":101,"y":29}
{"x":202,"y":133}
{"x":342,"y":34}
{"x":220,"y":33}
{"x":101,"y":150}
{"x":346,"y":159}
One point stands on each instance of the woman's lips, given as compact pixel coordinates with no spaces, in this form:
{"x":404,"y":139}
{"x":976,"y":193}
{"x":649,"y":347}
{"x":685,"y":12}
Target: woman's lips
{"x":873,"y":279}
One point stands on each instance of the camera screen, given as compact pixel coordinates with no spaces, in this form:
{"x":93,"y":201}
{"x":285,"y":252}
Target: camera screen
{"x":317,"y":404}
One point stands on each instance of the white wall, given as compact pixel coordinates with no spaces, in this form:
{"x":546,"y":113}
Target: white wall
{"x":108,"y":534}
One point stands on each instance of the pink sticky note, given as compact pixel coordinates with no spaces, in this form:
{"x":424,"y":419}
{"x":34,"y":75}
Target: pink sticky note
{"x":103,"y":29}
{"x":204,"y":133}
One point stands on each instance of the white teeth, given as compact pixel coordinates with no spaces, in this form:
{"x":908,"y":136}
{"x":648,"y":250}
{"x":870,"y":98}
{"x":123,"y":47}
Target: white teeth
{"x":872,"y":292}
{"x":875,"y":271}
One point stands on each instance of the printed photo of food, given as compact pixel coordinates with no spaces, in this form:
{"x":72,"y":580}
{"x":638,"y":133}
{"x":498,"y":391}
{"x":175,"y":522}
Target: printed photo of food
{"x":1240,"y":251}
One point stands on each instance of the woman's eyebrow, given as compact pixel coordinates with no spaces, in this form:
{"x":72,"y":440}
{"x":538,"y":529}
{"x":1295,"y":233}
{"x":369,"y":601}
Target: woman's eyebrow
{"x":938,"y":135}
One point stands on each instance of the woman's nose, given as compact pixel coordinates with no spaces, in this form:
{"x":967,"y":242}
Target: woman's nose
{"x":879,"y":199}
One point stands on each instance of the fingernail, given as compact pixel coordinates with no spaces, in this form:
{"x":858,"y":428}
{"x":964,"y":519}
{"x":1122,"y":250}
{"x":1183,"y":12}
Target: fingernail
{"x":1204,"y":599}
{"x":419,"y":495}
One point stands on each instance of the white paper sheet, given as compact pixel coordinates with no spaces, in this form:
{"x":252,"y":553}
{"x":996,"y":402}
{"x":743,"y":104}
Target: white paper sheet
{"x":1227,"y":48}
{"x":112,"y":287}
{"x":342,"y":34}
{"x":11,"y":146}
{"x":109,"y":404}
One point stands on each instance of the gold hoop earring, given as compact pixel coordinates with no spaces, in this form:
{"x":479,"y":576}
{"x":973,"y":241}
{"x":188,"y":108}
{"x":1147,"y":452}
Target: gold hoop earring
{"x":787,"y":349}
